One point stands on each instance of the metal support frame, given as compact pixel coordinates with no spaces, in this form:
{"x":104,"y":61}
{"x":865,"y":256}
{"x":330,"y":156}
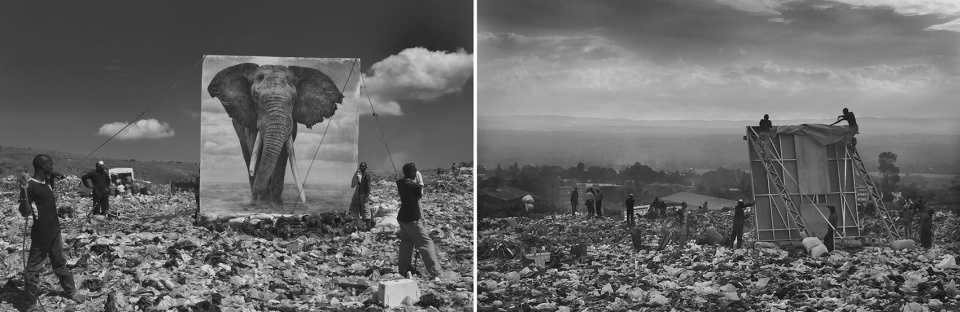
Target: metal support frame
{"x":889,"y":225}
{"x":778,"y":183}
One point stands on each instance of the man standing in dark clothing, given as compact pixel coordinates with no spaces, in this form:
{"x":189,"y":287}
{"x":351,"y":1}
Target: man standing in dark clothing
{"x":654,"y":207}
{"x":574,"y":201}
{"x":852,"y":122}
{"x":682,"y":219}
{"x":362,"y":182}
{"x":663,"y":209}
{"x":926,"y":226}
{"x":739,"y":217}
{"x":45,"y":237}
{"x":630,"y":202}
{"x":599,"y":203}
{"x":829,"y":239}
{"x":101,"y":188}
{"x":412,"y":232}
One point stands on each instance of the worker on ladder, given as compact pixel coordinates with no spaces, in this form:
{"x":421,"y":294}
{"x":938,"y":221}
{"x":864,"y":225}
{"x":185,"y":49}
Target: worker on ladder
{"x":854,"y":129}
{"x":764,"y":130}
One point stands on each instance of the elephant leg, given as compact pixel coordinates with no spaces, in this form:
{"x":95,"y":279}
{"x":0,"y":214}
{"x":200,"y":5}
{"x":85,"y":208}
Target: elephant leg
{"x":276,"y":180}
{"x":247,"y":138}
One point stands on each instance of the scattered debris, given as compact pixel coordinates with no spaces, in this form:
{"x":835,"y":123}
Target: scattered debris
{"x":154,"y":258}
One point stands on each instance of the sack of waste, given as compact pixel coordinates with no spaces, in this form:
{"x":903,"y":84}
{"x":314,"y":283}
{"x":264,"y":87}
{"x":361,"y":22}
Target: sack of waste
{"x":389,"y":220}
{"x":903,"y":244}
{"x":818,"y":251}
{"x":811,"y":242}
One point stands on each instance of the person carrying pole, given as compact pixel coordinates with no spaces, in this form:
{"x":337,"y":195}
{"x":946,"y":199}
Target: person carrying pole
{"x":100,"y":183}
{"x":830,"y":238}
{"x":854,"y":129}
{"x":630,"y":202}
{"x":413,"y":233}
{"x":361,"y":181}
{"x":574,"y":201}
{"x":46,"y":240}
{"x":739,"y":217}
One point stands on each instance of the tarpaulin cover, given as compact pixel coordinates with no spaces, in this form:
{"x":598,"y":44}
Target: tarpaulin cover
{"x":823,"y":134}
{"x":812,"y":172}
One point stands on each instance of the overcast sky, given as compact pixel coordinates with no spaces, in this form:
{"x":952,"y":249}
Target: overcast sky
{"x":74,"y":72}
{"x":719,"y":59}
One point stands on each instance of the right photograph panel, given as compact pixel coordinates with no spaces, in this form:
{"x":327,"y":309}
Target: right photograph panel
{"x":708,"y":155}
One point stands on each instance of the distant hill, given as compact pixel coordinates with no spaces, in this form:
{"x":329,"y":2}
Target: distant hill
{"x":924,"y":145}
{"x":13,"y":159}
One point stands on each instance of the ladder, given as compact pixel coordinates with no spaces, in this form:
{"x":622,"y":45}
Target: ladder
{"x":889,"y":225}
{"x":778,"y":182}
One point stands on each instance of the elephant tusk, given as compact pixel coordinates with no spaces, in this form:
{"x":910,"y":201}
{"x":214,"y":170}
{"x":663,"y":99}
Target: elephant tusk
{"x":293,"y":168}
{"x":257,"y":145}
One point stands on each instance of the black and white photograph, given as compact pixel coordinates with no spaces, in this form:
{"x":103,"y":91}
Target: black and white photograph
{"x":249,"y":140}
{"x":237,"y":156}
{"x":722,"y":155}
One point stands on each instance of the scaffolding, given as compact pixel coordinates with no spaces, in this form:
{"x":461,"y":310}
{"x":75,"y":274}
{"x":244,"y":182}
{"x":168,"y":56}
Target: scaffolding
{"x":794,"y":181}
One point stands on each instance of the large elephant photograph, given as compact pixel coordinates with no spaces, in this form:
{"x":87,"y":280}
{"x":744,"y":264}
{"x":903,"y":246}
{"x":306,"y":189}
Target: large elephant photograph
{"x":278,"y":134}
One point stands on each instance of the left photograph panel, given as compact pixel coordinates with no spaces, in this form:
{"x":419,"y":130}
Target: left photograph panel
{"x":289,"y":156}
{"x":278,"y":134}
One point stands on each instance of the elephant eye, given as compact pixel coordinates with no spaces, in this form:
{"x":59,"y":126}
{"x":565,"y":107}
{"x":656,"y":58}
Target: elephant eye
{"x":259,"y":77}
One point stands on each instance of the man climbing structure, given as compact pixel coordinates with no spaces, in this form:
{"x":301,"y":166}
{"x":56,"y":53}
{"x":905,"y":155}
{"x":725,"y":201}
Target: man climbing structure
{"x":854,"y":129}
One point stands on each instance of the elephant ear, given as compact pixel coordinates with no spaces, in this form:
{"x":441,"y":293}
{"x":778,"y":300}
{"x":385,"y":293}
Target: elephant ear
{"x":317,"y":96}
{"x":232,"y":86}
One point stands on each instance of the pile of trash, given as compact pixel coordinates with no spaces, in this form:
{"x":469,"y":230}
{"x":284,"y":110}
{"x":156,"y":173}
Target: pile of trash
{"x":593,"y":265}
{"x":154,"y":258}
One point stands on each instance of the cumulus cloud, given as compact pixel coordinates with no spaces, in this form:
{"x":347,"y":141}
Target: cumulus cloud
{"x":142,"y":129}
{"x":416,"y":74}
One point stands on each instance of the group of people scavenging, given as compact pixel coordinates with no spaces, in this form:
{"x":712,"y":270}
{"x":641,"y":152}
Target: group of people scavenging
{"x":916,"y":210}
{"x":592,"y":200}
{"x":413,"y":232}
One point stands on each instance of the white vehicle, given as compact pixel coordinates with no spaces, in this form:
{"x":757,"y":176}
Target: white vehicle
{"x":121,"y":173}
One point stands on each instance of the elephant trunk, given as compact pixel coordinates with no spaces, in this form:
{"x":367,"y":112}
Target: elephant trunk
{"x":275,"y":127}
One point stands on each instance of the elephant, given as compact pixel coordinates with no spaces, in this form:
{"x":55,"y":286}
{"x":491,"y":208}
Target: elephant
{"x":264,"y":102}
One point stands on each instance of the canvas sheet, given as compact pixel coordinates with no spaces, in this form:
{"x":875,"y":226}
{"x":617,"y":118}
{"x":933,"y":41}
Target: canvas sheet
{"x":325,"y":154}
{"x":812,"y":174}
{"x":821,"y":133}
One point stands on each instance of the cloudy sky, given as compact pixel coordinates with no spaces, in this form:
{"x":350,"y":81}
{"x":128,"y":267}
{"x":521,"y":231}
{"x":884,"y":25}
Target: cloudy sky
{"x":74,"y":73}
{"x":719,"y":59}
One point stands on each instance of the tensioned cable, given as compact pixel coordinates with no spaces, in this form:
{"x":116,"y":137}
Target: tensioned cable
{"x":145,"y":111}
{"x":377,"y":118}
{"x":317,"y":152}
